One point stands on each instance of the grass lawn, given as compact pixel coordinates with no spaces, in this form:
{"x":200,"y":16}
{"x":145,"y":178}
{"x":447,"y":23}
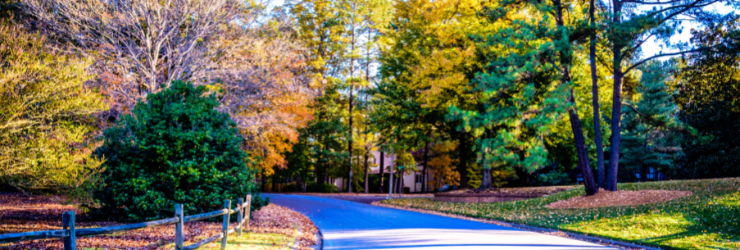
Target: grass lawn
{"x":254,"y":241}
{"x":708,"y":219}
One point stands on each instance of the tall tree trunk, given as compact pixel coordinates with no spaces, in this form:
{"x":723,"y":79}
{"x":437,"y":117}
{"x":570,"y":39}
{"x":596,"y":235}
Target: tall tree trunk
{"x":382,"y":169}
{"x":351,"y":105}
{"x":367,"y":169}
{"x":424,"y":171}
{"x":274,"y":182}
{"x":522,"y":175}
{"x":400,"y":182}
{"x":575,"y":124}
{"x":351,"y":98}
{"x":264,"y":181}
{"x":595,"y":101}
{"x":463,"y":161}
{"x":486,"y":182}
{"x":367,"y":111}
{"x":321,"y":169}
{"x":575,"y":121}
{"x":325,"y":172}
{"x":611,"y":178}
{"x":393,"y":163}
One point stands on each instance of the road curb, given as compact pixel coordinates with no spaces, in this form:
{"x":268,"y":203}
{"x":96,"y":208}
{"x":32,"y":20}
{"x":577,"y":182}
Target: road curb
{"x":320,"y":243}
{"x":298,"y":236}
{"x":592,"y":239}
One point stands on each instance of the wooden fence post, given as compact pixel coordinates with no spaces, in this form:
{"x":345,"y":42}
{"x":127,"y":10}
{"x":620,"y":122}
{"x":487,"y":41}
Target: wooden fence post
{"x":239,"y":217}
{"x":179,"y":234}
{"x":227,"y":205}
{"x":249,"y":210}
{"x":68,"y":224}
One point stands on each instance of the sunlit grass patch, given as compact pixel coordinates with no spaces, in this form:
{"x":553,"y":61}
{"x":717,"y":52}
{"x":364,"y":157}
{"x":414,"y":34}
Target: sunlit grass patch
{"x":657,"y":229}
{"x":255,"y":241}
{"x":708,"y":219}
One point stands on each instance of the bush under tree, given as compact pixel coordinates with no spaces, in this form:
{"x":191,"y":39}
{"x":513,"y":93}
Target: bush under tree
{"x":173,"y":148}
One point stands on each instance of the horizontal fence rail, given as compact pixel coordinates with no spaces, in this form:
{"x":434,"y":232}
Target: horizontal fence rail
{"x":37,"y":235}
{"x":68,"y":233}
{"x":113,"y":229}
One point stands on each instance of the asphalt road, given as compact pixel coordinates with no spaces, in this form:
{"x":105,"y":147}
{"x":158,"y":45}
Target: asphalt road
{"x":351,"y":225}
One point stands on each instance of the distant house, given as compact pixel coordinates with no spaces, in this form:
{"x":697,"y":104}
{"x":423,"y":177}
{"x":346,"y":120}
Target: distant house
{"x":412,"y":183}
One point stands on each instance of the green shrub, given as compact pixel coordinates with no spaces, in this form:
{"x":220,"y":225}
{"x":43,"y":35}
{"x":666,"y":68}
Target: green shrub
{"x":174,"y":148}
{"x":313,"y":187}
{"x":552,"y":179}
{"x":258,"y":203}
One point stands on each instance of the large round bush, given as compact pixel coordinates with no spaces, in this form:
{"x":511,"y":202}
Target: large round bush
{"x":174,"y":148}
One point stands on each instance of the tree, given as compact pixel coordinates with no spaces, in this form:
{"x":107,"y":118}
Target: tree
{"x":301,"y":165}
{"x":360,"y":17}
{"x":631,"y":23}
{"x":327,"y":134}
{"x":143,"y":45}
{"x":707,"y":93}
{"x":174,"y":148}
{"x":47,"y":115}
{"x":405,"y":164}
{"x":595,"y":96}
{"x":266,"y":88}
{"x":322,"y":29}
{"x":527,"y":84}
{"x":650,"y":133}
{"x":443,"y":165}
{"x":427,"y":63}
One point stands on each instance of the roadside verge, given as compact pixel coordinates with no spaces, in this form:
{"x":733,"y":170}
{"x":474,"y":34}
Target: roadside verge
{"x":597,"y":240}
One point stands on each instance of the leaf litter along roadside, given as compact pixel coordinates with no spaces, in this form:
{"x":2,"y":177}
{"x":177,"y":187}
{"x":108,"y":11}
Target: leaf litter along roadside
{"x":21,"y":213}
{"x":707,"y":219}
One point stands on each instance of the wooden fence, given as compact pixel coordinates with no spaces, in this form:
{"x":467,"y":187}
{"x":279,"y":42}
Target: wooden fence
{"x":68,"y":234}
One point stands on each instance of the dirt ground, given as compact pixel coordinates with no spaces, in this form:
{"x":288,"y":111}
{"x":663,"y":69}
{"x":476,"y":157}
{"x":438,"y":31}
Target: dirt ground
{"x":24,"y":213}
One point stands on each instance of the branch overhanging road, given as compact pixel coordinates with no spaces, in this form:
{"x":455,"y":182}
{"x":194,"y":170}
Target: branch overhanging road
{"x":352,"y":225}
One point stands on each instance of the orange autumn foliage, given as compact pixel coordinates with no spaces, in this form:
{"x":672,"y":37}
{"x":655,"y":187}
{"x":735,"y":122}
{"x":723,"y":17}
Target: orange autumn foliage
{"x":268,"y":93}
{"x":443,"y":165}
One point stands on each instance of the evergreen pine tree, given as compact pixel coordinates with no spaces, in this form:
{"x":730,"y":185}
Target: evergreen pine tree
{"x":649,"y":138}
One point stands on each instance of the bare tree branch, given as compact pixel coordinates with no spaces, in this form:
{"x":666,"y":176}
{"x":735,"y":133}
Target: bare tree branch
{"x":667,"y":54}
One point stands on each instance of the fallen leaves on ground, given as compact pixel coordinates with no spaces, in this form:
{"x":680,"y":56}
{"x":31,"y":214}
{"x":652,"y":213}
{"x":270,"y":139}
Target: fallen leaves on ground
{"x":277,"y":219}
{"x":606,"y":198}
{"x":25,"y":213}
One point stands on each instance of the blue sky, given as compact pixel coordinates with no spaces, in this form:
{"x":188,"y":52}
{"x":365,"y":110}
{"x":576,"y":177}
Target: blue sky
{"x":653,"y":47}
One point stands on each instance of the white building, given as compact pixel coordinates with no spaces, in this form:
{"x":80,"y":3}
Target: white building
{"x":412,"y":182}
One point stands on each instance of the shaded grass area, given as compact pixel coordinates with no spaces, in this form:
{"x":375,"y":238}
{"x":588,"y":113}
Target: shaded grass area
{"x":708,"y":219}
